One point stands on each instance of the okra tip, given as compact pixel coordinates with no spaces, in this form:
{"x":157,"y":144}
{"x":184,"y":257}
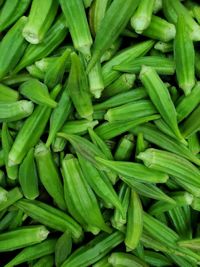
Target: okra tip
{"x":27,"y":106}
{"x":147,"y":157}
{"x":30,"y":36}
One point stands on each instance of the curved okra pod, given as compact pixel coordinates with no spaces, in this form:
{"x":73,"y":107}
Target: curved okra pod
{"x":134,"y":222}
{"x":75,"y":15}
{"x":94,"y":250}
{"x":59,"y":115}
{"x":127,"y":55}
{"x":115,"y":19}
{"x":15,"y":111}
{"x":28,"y":178}
{"x":49,"y":175}
{"x":7,"y":142}
{"x":153,"y":135}
{"x":124,"y":260}
{"x":39,"y":20}
{"x":101,"y":186}
{"x":78,"y":87}
{"x":160,"y":97}
{"x":49,"y":216}
{"x":22,"y":237}
{"x":184,"y":56}
{"x":37,"y":92}
{"x":63,"y":248}
{"x":127,"y":112}
{"x":7,"y":94}
{"x":162,"y":65}
{"x":30,"y":133}
{"x":82,"y":197}
{"x":12,"y":51}
{"x":176,"y":166}
{"x":55,"y":72}
{"x":33,"y":252}
{"x":135,"y":171}
{"x":11,"y":11}
{"x":53,"y":39}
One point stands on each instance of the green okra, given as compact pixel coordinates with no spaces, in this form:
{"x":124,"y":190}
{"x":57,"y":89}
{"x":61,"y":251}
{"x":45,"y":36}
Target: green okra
{"x":125,"y":260}
{"x":123,"y":84}
{"x":127,"y":112}
{"x":7,"y":142}
{"x":126,"y":55}
{"x":16,"y":79}
{"x":184,"y":57}
{"x":55,"y":72}
{"x":142,"y":17}
{"x":49,"y":216}
{"x":153,"y":135}
{"x":35,"y":72}
{"x":121,"y":98}
{"x":58,"y":144}
{"x":28,"y":178}
{"x":164,"y":66}
{"x":12,"y":51}
{"x":53,"y":39}
{"x":7,"y":94}
{"x":96,"y":14}
{"x":180,"y":198}
{"x":109,"y":130}
{"x":49,"y":175}
{"x":101,"y":186}
{"x":187,"y":104}
{"x":124,"y":148}
{"x":18,"y":221}
{"x":96,"y":80}
{"x":14,"y":111}
{"x":78,"y":26}
{"x":30,"y":133}
{"x":119,"y":219}
{"x":102,"y":263}
{"x":191,"y":243}
{"x":134,"y":171}
{"x":174,"y":165}
{"x":87,"y":3}
{"x":63,"y":248}
{"x":160,"y":97}
{"x":164,"y":47}
{"x":164,"y":128}
{"x":40,"y":18}
{"x":11,"y":11}
{"x":79,"y":127}
{"x":6,"y":220}
{"x":141,"y":144}
{"x":59,"y":115}
{"x":194,"y":144}
{"x":45,"y":63}
{"x":12,"y":196}
{"x":45,"y":261}
{"x":110,"y":52}
{"x":191,"y":124}
{"x":34,"y":252}
{"x":2,"y":160}
{"x":37,"y":92}
{"x":134,"y":222}
{"x":115,"y":19}
{"x":193,"y":8}
{"x":3,"y":195}
{"x":82,"y":197}
{"x":22,"y":237}
{"x":78,"y":88}
{"x":94,"y":250}
{"x":156,"y":259}
{"x":2,"y":179}
{"x":160,"y":29}
{"x":174,"y":8}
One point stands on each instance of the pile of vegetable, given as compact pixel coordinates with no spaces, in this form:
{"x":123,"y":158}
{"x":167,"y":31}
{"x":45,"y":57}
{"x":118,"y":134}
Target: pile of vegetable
{"x":100,"y":120}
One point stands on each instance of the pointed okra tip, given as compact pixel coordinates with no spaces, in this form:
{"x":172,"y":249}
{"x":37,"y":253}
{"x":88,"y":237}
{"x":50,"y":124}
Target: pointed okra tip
{"x":147,"y":157}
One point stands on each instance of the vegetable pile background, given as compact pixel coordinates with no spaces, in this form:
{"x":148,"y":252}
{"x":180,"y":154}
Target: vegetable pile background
{"x":100,"y":119}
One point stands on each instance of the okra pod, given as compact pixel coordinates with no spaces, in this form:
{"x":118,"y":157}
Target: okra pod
{"x":79,"y":127}
{"x":75,"y":15}
{"x":194,"y":144}
{"x":172,"y":164}
{"x":63,"y":248}
{"x":156,"y":259}
{"x":127,"y":112}
{"x":7,"y":219}
{"x":96,"y":80}
{"x":160,"y":97}
{"x":37,"y":92}
{"x":191,"y":125}
{"x":184,"y":56}
{"x":49,"y":175}
{"x":12,"y":196}
{"x":7,"y":94}
{"x":164,"y":47}
{"x":45,"y":261}
{"x":30,"y":133}
{"x":116,"y":19}
{"x":33,"y":252}
{"x":125,"y":260}
{"x":22,"y":237}
{"x":12,"y":51}
{"x":164,"y":66}
{"x":134,"y":222}
{"x":124,"y":148}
